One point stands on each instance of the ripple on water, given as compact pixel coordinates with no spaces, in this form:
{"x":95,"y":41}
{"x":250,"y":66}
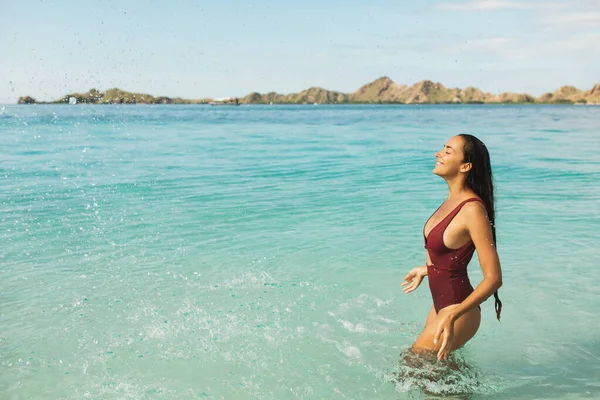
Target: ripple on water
{"x":257,"y":252}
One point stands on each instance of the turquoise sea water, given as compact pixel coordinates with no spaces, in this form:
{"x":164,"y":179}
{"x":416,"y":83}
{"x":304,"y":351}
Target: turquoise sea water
{"x":256,"y":252}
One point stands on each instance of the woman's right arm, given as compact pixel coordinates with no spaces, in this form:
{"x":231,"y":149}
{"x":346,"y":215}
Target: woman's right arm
{"x":413,"y":279}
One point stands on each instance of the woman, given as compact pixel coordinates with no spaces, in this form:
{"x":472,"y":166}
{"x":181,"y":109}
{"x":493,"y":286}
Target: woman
{"x":462,"y":224}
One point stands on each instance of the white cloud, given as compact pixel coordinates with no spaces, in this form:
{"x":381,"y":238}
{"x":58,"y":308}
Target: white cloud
{"x":492,"y":5}
{"x":503,"y":48}
{"x":547,"y":51}
{"x":583,"y":43}
{"x":582,"y":15}
{"x":576,"y":20}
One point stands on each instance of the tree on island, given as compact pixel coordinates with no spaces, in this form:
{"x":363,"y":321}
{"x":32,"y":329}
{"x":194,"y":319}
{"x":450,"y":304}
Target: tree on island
{"x":26,"y":100}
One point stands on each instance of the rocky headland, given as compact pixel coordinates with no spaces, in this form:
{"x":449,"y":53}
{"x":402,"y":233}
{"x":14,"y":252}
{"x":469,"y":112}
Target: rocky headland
{"x":380,"y":91}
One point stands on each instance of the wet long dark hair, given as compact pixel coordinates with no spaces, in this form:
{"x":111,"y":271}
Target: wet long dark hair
{"x":480,"y":180}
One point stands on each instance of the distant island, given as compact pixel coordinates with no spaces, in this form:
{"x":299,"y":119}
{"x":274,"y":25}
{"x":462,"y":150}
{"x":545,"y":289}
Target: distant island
{"x":380,"y":91}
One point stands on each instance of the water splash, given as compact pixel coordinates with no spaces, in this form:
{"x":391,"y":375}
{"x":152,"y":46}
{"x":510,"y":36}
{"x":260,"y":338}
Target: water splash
{"x":453,"y":377}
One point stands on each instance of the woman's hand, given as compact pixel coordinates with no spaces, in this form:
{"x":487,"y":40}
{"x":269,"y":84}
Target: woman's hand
{"x":413,"y":279}
{"x":445,"y":331}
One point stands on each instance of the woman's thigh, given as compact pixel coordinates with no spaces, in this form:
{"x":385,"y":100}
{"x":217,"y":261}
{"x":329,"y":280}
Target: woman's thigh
{"x":465,"y":328}
{"x":431,"y":316}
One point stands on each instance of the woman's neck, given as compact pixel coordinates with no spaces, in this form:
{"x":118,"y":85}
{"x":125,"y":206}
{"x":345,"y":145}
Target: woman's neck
{"x":457,"y":188}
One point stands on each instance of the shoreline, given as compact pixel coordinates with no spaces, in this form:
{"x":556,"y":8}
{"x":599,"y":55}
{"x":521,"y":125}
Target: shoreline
{"x":380,"y":91}
{"x":303,"y":104}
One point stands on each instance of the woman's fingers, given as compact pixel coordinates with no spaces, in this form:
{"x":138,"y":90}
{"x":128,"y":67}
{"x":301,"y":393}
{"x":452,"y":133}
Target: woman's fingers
{"x":410,"y":285}
{"x":438,"y":333}
{"x":447,"y":338}
{"x":408,"y":278}
{"x":410,"y":288}
{"x":443,"y":352}
{"x":411,"y":282}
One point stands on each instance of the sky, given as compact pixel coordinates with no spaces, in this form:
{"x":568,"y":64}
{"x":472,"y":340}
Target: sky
{"x":202,"y":49}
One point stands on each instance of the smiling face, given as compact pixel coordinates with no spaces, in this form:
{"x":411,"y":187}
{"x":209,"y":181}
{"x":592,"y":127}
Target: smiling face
{"x":450,"y":160}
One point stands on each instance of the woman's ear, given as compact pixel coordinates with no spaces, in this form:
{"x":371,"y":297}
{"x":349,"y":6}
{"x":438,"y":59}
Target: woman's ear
{"x":466,"y":167}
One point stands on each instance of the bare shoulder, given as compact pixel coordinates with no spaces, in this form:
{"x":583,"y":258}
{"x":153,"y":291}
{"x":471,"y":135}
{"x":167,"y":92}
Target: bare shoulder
{"x":475,"y":210}
{"x":476,"y":217}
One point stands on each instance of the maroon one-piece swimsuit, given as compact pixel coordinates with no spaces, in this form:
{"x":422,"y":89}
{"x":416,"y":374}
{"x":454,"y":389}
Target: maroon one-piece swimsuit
{"x":447,"y":273}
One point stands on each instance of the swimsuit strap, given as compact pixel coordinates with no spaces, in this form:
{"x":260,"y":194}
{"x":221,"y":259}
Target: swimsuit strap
{"x":446,"y":221}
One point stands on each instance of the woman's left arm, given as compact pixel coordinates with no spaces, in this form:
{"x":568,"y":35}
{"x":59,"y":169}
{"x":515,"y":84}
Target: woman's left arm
{"x":480,"y":230}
